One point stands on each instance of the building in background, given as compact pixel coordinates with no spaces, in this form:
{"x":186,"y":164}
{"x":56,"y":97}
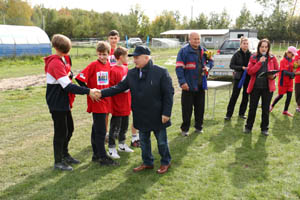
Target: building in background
{"x":210,"y":38}
{"x":23,"y":40}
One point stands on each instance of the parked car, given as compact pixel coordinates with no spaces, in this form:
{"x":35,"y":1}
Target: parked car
{"x":133,"y":42}
{"x":224,"y":54}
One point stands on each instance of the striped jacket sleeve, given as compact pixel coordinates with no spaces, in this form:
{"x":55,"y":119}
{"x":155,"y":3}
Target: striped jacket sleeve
{"x":180,"y":65}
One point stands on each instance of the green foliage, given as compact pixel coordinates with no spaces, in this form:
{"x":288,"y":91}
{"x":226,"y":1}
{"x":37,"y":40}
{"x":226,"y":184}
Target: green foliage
{"x":244,"y":20}
{"x":219,"y":21}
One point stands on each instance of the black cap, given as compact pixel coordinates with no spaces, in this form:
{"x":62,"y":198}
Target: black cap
{"x":140,"y":50}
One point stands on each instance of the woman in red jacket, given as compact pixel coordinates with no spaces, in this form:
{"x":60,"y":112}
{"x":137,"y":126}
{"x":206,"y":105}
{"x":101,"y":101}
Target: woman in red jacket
{"x":261,"y":85}
{"x":285,"y":81}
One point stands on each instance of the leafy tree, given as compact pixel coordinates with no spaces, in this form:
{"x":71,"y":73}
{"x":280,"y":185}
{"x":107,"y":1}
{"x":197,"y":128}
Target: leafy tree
{"x":18,"y":12}
{"x":244,"y":20}
{"x":219,"y":21}
{"x":165,"y":21}
{"x":201,"y":22}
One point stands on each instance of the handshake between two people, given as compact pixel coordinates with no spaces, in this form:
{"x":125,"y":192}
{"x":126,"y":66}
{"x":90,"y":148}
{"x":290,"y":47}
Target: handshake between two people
{"x":95,"y":94}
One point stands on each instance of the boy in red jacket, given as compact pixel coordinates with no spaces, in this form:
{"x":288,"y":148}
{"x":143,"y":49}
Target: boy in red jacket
{"x":96,"y":75}
{"x":113,"y":39}
{"x":285,"y":81}
{"x":120,"y":105}
{"x":59,"y":88}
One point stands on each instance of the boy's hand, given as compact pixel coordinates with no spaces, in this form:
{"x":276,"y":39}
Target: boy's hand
{"x":164,"y":119}
{"x":95,"y":94}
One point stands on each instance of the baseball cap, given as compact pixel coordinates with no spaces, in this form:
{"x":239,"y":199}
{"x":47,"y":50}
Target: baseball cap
{"x":293,"y":50}
{"x":140,"y":50}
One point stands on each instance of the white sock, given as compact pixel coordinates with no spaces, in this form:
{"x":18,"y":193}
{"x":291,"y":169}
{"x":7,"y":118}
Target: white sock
{"x":135,"y":137}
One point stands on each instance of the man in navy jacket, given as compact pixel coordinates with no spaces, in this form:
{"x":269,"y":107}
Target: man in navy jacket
{"x":191,"y":69}
{"x":152,"y":100}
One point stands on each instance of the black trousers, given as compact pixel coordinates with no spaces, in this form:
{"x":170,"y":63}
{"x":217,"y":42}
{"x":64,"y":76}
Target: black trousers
{"x":190,"y":100}
{"x":63,"y":130}
{"x":98,"y":135}
{"x":297,"y":93}
{"x":118,"y":128}
{"x":235,"y":95}
{"x":266,"y":97}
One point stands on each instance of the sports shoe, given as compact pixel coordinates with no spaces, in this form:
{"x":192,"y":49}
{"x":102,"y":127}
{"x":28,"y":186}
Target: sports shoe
{"x":112,"y":152}
{"x":125,"y":148}
{"x":227,"y":118}
{"x":107,"y":161}
{"x":265,"y":132}
{"x":184,"y":133}
{"x":136,"y":143}
{"x":63,"y":166}
{"x":242,"y":116}
{"x":199,"y":131}
{"x":70,"y":160}
{"x":271,"y":108}
{"x":287,"y":113}
{"x":246,"y":131}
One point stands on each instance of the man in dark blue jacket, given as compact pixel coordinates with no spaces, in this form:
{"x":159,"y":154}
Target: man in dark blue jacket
{"x":191,"y":69}
{"x":152,"y":100}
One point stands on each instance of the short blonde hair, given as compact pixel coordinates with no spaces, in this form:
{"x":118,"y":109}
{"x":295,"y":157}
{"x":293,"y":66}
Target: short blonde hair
{"x":103,"y":47}
{"x":120,"y":51}
{"x":242,"y":39}
{"x":61,"y":43}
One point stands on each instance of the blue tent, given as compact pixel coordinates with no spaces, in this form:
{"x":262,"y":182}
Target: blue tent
{"x":23,"y":40}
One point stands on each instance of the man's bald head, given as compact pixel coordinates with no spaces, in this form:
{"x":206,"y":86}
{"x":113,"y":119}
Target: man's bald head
{"x":194,"y":39}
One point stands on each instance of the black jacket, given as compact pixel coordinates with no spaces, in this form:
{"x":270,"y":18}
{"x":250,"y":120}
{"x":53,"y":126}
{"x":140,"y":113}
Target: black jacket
{"x":238,"y":60}
{"x":151,"y":96}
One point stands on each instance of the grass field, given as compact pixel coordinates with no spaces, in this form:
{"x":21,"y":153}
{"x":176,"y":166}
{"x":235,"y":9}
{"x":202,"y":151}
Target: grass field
{"x":222,"y":163}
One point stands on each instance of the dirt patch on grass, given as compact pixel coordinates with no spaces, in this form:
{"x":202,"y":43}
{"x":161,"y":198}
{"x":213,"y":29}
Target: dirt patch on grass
{"x":22,"y":82}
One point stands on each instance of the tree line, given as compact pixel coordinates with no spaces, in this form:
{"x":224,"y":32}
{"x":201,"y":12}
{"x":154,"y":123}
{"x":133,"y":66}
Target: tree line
{"x":276,"y":22}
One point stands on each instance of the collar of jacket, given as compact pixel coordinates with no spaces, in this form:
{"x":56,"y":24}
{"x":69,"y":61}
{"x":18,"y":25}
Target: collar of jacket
{"x":192,"y":50}
{"x":288,"y":59}
{"x":244,"y":52}
{"x":145,"y":69}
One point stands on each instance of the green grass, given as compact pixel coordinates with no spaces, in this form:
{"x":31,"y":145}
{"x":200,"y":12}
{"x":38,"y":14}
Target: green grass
{"x":222,"y":163}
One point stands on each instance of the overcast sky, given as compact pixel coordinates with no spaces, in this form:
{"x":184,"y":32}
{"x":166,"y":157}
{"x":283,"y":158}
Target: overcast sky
{"x":153,"y":8}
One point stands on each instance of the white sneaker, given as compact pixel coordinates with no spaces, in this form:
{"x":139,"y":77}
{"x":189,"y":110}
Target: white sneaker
{"x":112,"y":152}
{"x":124,"y":148}
{"x":184,"y":133}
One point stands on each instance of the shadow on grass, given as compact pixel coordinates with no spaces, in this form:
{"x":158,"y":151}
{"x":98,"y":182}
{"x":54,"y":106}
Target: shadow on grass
{"x":296,"y":124}
{"x":250,"y":163}
{"x":50,"y":184}
{"x":137,"y":184}
{"x":227,"y":136}
{"x":43,"y":185}
{"x":280,"y":129}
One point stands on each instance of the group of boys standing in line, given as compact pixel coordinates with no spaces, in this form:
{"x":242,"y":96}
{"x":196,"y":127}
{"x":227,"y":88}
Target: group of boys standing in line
{"x":146,"y":90}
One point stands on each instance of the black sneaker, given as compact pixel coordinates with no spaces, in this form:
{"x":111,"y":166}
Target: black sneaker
{"x":243,"y":116}
{"x":63,"y":166}
{"x":70,"y":160}
{"x":265,"y":133}
{"x":107,"y":161}
{"x":247,"y":131}
{"x":199,"y":131}
{"x":227,"y":118}
{"x":95,"y":158}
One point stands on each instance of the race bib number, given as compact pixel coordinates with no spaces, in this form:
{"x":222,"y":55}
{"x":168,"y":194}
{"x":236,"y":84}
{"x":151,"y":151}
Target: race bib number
{"x":102,"y":78}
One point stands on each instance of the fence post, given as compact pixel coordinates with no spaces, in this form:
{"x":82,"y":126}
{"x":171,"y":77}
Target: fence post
{"x":297,"y":45}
